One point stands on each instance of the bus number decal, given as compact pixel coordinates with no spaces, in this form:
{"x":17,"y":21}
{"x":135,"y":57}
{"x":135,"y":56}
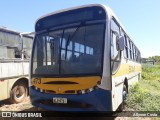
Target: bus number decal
{"x":36,"y":81}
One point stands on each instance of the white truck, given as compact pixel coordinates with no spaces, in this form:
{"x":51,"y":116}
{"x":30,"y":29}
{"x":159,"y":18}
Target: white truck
{"x":15,"y":48}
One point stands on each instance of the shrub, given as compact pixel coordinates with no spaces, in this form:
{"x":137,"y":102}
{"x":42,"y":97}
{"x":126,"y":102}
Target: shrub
{"x":142,"y":99}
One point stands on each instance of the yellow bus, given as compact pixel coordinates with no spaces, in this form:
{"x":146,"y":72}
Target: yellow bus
{"x":82,"y":60}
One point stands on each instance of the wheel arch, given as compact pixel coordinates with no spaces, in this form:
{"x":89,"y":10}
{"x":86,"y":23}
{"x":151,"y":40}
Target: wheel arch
{"x":24,"y":80}
{"x":126,"y":83}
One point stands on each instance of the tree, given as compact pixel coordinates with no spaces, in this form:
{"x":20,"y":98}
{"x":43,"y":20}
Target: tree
{"x":155,"y":58}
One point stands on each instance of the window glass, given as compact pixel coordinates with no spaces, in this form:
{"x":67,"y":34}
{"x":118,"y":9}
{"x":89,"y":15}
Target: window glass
{"x":130,"y":50}
{"x":4,"y":53}
{"x":27,"y":46}
{"x":114,"y":51}
{"x":115,"y":54}
{"x":11,"y":42}
{"x":78,"y":52}
{"x":126,"y":48}
{"x":77,"y":47}
{"x":128,"y":45}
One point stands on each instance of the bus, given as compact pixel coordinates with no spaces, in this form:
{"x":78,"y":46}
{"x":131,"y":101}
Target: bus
{"x":82,"y":60}
{"x":15,"y":48}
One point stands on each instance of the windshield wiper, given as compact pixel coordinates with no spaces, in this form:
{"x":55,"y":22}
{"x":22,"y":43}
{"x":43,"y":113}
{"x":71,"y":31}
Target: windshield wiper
{"x":66,"y":47}
{"x":70,"y":38}
{"x":60,"y":53}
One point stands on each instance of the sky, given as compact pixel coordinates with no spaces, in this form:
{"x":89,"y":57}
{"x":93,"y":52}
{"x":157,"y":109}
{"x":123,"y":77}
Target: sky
{"x":140,"y":18}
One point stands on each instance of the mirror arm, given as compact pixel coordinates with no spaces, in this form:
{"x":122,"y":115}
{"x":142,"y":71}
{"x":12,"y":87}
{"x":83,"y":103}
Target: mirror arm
{"x":115,"y":32}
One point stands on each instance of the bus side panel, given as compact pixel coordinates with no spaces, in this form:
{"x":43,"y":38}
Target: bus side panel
{"x":10,"y":73}
{"x":26,"y":68}
{"x":117,"y":86}
{"x":3,"y":89}
{"x":11,"y":69}
{"x":129,"y":71}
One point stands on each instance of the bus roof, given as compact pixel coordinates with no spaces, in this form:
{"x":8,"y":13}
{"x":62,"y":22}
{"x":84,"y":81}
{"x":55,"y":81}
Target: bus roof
{"x":108,"y":10}
{"x":7,"y":30}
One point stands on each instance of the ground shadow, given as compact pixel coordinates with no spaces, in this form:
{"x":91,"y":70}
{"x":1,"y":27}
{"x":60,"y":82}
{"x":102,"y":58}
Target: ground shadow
{"x":5,"y":102}
{"x":68,"y":116}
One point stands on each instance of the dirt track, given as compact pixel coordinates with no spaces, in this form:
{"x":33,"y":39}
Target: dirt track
{"x":26,"y":106}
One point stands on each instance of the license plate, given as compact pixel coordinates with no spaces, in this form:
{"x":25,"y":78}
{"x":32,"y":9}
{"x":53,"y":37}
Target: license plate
{"x":60,"y":100}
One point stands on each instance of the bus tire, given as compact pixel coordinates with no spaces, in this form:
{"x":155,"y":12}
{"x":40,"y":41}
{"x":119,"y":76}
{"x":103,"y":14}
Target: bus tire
{"x":124,"y":98}
{"x":18,"y":93}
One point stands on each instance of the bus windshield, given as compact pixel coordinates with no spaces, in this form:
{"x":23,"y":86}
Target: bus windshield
{"x":69,"y":51}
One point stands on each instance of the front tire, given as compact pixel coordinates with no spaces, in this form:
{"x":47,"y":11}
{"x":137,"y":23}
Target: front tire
{"x":18,"y":93}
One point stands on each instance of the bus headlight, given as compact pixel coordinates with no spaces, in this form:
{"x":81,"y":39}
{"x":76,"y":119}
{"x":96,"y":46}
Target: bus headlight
{"x":87,"y":90}
{"x":38,"y":89}
{"x":41,"y":90}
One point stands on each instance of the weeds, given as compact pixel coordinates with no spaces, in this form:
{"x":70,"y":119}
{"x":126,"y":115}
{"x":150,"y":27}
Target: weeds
{"x":151,"y":72}
{"x":145,"y":95}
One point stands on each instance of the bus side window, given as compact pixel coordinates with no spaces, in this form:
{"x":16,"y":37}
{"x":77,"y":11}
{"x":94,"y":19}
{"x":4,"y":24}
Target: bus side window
{"x":114,"y":51}
{"x":133,"y":52}
{"x":125,"y":52}
{"x":126,"y":47}
{"x":114,"y":37}
{"x":115,"y":54}
{"x":17,"y":53}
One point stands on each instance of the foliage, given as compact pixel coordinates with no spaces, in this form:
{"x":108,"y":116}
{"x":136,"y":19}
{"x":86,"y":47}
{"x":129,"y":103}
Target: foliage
{"x":151,"y":72}
{"x":155,"y":58}
{"x":145,"y":95}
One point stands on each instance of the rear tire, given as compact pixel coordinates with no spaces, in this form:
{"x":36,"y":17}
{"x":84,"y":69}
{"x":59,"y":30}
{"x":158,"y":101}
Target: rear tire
{"x":18,"y":93}
{"x":124,"y":97}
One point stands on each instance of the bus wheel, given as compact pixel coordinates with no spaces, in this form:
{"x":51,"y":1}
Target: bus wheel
{"x":18,"y":93}
{"x":124,"y":97}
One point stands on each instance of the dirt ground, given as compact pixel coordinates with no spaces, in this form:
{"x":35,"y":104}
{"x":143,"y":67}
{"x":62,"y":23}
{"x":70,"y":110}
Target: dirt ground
{"x":26,"y":106}
{"x":7,"y":106}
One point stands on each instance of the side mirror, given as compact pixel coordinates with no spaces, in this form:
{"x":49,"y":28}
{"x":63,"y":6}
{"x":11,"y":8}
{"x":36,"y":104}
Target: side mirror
{"x":121,"y":43}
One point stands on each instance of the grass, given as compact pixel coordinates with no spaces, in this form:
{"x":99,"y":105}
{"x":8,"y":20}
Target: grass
{"x":145,"y":95}
{"x":151,"y":72}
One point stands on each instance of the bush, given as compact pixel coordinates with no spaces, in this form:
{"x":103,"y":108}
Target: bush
{"x":151,"y":72}
{"x":145,"y":95}
{"x":142,"y":99}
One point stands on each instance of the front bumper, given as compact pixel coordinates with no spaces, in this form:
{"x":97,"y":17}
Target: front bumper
{"x":95,"y":101}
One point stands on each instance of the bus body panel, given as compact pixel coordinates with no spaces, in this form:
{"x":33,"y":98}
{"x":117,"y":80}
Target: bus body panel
{"x":69,"y":85}
{"x":98,"y":100}
{"x":15,"y":50}
{"x":13,"y":68}
{"x":109,"y":96}
{"x":3,"y":89}
{"x":12,"y":71}
{"x":129,"y":71}
{"x":106,"y":82}
{"x":7,"y":85}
